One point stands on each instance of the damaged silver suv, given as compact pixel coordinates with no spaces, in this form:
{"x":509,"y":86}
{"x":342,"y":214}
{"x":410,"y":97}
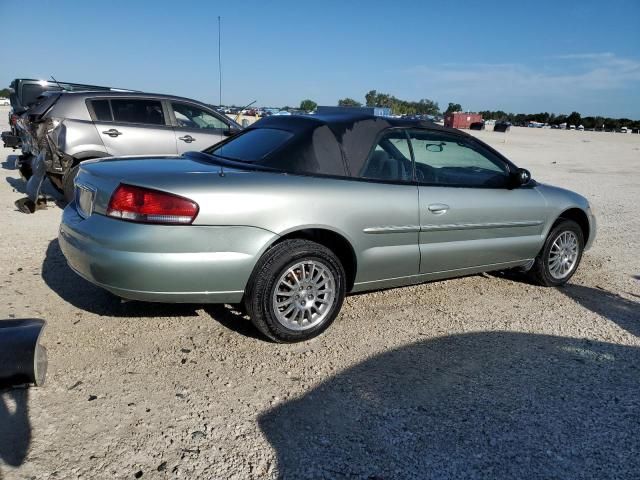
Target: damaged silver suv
{"x":67,"y":128}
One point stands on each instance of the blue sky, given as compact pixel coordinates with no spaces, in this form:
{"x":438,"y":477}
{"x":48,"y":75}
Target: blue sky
{"x":516,"y":56}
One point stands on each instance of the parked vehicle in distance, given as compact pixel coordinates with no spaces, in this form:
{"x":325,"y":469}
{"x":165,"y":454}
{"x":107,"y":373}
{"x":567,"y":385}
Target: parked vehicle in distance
{"x":501,"y":127}
{"x":68,"y":128}
{"x":294,"y":212}
{"x":4,"y":101}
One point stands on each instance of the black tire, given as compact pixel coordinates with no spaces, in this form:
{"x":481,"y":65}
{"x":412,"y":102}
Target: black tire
{"x":263,"y":282}
{"x":540,"y":272}
{"x":67,"y":183}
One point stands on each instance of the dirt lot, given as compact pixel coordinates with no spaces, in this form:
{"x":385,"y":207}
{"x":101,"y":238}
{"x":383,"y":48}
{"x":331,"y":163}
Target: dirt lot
{"x":478,"y":377}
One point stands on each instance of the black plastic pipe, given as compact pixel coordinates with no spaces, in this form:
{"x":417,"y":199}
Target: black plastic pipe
{"x":22,"y":359}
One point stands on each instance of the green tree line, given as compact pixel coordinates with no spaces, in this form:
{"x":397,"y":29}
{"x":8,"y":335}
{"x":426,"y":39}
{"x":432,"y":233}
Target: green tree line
{"x":574,"y":118}
{"x":373,"y":98}
{"x":401,"y":107}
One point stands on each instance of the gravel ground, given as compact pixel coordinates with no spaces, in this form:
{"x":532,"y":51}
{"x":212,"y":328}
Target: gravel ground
{"x":478,"y":377}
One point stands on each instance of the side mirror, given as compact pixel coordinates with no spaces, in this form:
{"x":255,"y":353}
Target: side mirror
{"x":230,"y":132}
{"x":522,"y":176}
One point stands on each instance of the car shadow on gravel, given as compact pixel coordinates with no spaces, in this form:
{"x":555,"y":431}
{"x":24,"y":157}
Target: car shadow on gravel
{"x":481,"y":405}
{"x":625,"y":313}
{"x":15,"y":427}
{"x":75,"y":290}
{"x":234,"y":318}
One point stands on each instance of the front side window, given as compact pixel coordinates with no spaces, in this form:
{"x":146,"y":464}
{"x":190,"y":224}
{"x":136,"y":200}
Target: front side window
{"x":447,"y":160}
{"x":189,"y":116}
{"x":147,"y":112}
{"x":390,"y":160}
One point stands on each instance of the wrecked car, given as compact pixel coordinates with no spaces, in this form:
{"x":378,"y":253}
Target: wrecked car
{"x":294,"y":212}
{"x":24,"y":93}
{"x":68,"y":128}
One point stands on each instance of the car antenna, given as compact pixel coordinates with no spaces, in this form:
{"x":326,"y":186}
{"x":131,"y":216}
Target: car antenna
{"x":219,"y":63}
{"x":61,"y":87}
{"x":248,"y":105}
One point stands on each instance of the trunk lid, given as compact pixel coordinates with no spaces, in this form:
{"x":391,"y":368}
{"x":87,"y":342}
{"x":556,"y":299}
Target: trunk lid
{"x":182,"y":176}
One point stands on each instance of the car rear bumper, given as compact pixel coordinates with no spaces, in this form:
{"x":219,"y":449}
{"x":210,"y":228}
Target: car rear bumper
{"x":162,"y":263}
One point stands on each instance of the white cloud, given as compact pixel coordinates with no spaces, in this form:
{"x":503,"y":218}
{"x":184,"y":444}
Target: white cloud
{"x":584,"y":82}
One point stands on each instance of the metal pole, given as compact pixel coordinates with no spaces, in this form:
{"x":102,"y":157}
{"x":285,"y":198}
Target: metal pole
{"x":219,"y":63}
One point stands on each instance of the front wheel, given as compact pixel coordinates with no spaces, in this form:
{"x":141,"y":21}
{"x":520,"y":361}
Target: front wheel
{"x":559,"y":258}
{"x":296,"y":291}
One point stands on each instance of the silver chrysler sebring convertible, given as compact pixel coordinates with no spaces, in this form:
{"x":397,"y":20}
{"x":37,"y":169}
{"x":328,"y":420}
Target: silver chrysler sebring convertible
{"x":294,"y":212}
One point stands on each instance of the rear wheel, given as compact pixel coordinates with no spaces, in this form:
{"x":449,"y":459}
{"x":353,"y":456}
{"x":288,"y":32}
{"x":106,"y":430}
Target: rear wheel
{"x":559,"y":258}
{"x":296,"y":291}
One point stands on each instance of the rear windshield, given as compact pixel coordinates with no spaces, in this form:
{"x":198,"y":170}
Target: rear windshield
{"x":252,"y":145}
{"x":31,"y":91}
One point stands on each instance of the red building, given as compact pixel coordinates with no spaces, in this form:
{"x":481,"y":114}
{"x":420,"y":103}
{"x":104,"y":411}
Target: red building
{"x":461,"y":119}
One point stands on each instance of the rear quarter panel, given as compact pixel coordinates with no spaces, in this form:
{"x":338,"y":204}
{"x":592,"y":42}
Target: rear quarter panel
{"x":80,"y":136}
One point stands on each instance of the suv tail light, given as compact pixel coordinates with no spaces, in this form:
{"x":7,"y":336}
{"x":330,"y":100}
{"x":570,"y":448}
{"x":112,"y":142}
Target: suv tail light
{"x":145,"y":205}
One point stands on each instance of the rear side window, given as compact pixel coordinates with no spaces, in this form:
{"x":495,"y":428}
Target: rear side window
{"x":390,"y":160}
{"x":148,"y":112}
{"x":102,"y":110}
{"x":252,"y":145}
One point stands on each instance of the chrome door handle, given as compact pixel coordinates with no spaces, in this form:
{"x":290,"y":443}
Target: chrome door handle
{"x":438,"y":208}
{"x":112,"y":132}
{"x":187,"y":138}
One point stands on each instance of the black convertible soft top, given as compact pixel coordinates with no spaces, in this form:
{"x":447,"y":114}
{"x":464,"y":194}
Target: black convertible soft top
{"x":328,"y":144}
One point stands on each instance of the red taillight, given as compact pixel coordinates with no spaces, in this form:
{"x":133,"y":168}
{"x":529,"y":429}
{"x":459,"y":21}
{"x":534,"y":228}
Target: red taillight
{"x":139,"y":204}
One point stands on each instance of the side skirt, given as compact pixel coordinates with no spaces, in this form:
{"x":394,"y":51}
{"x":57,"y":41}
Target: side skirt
{"x":427,"y":277}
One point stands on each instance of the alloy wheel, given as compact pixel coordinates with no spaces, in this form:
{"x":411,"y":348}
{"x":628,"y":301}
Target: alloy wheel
{"x":563,"y":255}
{"x":304,"y":295}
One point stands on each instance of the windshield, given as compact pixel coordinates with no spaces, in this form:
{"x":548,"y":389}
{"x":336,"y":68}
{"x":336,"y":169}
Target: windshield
{"x":252,"y":145}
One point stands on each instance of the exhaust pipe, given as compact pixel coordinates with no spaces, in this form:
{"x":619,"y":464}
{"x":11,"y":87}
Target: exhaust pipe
{"x":22,"y":359}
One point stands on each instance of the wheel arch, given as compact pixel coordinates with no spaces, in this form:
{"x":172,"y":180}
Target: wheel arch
{"x":580,"y":217}
{"x":334,"y":241}
{"x":89,"y":154}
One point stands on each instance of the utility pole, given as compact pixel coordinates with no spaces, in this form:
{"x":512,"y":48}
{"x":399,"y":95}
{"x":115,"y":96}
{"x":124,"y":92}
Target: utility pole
{"x":219,"y":63}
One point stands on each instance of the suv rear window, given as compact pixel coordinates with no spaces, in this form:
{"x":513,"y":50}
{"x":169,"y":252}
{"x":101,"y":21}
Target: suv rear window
{"x":252,"y":145}
{"x":31,"y":91}
{"x":102,"y":110}
{"x":138,"y":111}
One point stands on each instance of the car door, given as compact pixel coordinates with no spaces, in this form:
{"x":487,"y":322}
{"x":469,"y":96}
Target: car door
{"x":388,"y":225}
{"x":133,"y":126}
{"x":196,"y":128}
{"x":470,"y":217}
